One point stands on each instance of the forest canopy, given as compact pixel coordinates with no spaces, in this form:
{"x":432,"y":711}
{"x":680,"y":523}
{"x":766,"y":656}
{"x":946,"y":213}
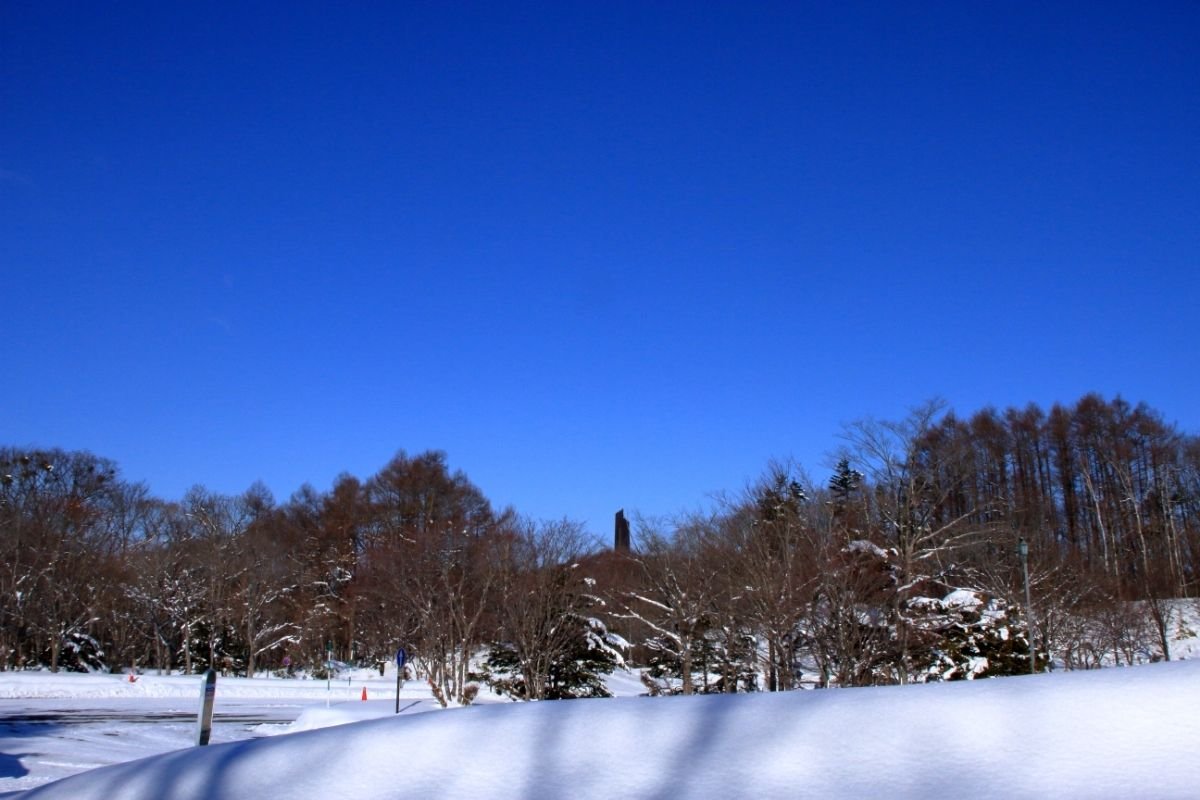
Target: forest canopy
{"x":899,"y":564}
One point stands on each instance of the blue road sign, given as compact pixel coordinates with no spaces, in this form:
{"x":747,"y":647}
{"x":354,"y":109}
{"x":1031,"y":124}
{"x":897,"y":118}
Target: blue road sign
{"x":401,"y":657}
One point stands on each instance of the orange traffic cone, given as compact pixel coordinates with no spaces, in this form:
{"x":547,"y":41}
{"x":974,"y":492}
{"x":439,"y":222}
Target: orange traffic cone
{"x":364,"y":697}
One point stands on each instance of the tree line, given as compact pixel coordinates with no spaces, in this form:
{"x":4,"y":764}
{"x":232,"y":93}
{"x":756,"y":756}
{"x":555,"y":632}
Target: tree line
{"x":899,"y":565}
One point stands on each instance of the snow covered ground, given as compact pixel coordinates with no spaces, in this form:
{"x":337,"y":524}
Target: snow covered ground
{"x":1127,"y":732}
{"x":52,"y":726}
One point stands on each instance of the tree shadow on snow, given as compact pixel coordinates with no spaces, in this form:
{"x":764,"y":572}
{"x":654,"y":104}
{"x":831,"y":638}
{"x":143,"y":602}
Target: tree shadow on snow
{"x":675,"y":753}
{"x":11,"y":766}
{"x":19,"y":727}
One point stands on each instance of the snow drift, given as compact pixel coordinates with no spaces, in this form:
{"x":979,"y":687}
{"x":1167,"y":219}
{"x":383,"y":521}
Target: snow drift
{"x":1111,"y":733}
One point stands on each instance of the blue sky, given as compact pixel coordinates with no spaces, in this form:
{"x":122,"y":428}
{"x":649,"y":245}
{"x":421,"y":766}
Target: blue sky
{"x":604,"y":255}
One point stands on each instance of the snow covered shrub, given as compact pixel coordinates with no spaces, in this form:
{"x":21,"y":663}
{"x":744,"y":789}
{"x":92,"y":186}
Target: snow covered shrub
{"x":82,"y":653}
{"x":653,"y":687}
{"x":975,"y":636}
{"x":438,"y":694}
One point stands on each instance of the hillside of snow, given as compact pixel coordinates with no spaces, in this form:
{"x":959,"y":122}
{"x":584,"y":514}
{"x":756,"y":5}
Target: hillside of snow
{"x":1127,"y":732}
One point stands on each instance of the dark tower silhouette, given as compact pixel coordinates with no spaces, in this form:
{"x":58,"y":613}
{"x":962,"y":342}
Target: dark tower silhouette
{"x":621,"y":537}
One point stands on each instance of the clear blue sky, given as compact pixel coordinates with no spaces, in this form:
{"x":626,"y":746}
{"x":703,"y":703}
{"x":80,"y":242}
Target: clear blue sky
{"x":605,"y":255}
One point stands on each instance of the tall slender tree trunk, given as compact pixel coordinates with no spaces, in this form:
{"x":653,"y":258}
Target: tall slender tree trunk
{"x":685,"y":663}
{"x":187,"y":649}
{"x":250,"y":646}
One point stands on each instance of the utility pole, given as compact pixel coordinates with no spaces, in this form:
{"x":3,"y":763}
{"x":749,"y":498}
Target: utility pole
{"x":1023,"y":552}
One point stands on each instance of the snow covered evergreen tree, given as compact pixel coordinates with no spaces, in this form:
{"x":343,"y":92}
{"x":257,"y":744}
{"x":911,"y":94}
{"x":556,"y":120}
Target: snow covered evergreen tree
{"x":971,"y":635}
{"x":576,"y":671}
{"x":548,"y":643}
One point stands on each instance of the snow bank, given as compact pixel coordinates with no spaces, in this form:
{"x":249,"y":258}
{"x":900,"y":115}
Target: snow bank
{"x":1110,"y":733}
{"x":44,"y":684}
{"x":317,"y":717}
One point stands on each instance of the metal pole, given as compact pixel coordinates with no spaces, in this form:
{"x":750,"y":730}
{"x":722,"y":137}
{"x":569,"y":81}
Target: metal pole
{"x":208,"y":692}
{"x":1023,"y":549}
{"x":401,"y":660}
{"x":328,"y":672}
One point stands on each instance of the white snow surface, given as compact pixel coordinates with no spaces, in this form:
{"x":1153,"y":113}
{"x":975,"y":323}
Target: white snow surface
{"x":1128,"y":732}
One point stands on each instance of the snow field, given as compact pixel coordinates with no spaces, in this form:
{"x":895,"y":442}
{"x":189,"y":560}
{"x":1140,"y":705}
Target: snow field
{"x":1110,"y":733}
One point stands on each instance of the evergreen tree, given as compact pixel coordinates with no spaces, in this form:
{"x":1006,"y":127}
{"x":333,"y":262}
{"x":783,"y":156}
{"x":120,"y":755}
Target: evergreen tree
{"x":577,"y":672}
{"x":971,"y":635}
{"x":844,"y":483}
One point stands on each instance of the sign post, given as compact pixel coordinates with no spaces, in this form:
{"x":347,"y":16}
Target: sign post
{"x":401,"y":658}
{"x":208,"y":693}
{"x":328,"y":671}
